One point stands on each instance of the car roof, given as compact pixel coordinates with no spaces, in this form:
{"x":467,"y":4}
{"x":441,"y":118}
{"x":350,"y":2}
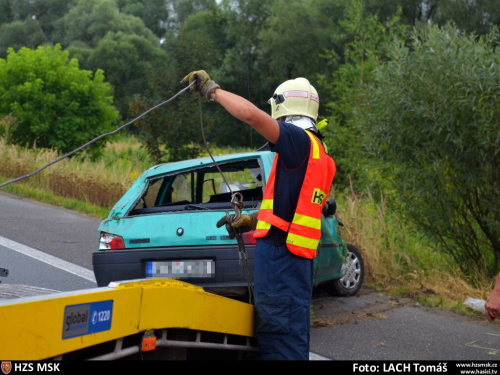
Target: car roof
{"x":187,"y":164}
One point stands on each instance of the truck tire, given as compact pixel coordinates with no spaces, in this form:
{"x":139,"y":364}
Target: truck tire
{"x":354,"y":272}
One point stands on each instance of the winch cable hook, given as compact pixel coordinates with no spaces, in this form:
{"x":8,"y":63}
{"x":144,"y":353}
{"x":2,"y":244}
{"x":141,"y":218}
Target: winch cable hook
{"x":237,"y":202}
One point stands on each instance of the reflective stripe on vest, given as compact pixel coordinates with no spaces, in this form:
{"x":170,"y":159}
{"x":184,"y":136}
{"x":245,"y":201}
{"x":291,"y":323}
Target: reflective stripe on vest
{"x":304,"y":231}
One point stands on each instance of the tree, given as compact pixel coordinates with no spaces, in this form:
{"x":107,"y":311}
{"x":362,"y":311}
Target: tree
{"x":294,"y":36}
{"x":126,"y":59}
{"x":53,"y":101}
{"x":433,"y":117}
{"x":153,"y":13}
{"x":243,"y":20}
{"x":173,"y":132}
{"x":181,"y":10}
{"x":19,"y":34}
{"x":101,"y":37}
{"x":413,"y":12}
{"x":477,"y":16}
{"x":366,"y":39}
{"x":29,"y":23}
{"x":46,"y":13}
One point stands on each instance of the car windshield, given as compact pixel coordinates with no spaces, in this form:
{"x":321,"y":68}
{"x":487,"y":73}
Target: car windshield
{"x":202,"y":188}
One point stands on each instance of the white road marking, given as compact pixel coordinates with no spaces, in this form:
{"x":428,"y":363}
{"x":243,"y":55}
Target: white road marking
{"x":317,"y":357}
{"x":49,"y":259}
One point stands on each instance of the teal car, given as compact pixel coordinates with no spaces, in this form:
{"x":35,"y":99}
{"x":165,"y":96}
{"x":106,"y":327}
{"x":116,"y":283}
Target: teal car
{"x":165,"y":226}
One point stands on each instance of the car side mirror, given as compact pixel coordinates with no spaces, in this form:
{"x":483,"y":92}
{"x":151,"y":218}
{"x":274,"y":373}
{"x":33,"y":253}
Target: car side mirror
{"x":330,"y":208}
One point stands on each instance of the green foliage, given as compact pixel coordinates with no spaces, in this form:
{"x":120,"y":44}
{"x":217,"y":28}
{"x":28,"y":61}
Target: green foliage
{"x":238,"y":68}
{"x":469,"y":16}
{"x":127,"y":59}
{"x":29,"y":23}
{"x":365,"y":48}
{"x":90,"y":20}
{"x":54,"y":102}
{"x":433,"y":116}
{"x":293,"y":36}
{"x":254,"y":45}
{"x":172,"y":132}
{"x":102,"y":37}
{"x":18,"y":34}
{"x":152,"y":12}
{"x":183,"y":9}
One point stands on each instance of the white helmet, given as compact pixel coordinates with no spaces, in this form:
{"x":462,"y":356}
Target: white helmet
{"x":295,"y":97}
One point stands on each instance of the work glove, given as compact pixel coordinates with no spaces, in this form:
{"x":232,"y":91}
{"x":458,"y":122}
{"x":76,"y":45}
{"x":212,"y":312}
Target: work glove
{"x":245,"y":223}
{"x":204,"y":84}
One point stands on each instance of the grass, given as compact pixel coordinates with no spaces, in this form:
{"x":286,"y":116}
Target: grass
{"x":401,"y":262}
{"x":88,"y":209}
{"x":397,"y":259}
{"x":77,"y":183}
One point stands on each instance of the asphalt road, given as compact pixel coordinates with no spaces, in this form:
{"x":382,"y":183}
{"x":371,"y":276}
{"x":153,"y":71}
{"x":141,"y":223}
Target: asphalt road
{"x":373,"y":326}
{"x":55,"y":231}
{"x":369,"y":326}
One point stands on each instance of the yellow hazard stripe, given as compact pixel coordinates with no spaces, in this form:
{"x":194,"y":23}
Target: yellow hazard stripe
{"x":307,"y":221}
{"x":263,"y":225}
{"x":314,"y":145}
{"x":302,"y":241}
{"x":267,"y":204}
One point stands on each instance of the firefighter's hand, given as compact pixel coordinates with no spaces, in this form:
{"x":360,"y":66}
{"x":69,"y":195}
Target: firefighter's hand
{"x":203,"y":83}
{"x":245,"y":223}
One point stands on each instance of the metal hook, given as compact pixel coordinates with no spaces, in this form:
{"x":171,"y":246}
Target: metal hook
{"x":237,"y":202}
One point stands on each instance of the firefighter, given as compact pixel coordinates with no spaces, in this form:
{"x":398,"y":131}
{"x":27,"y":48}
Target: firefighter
{"x":288,"y":225}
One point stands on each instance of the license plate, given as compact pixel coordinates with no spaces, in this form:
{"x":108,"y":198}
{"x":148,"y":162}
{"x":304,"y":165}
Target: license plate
{"x":181,"y":268}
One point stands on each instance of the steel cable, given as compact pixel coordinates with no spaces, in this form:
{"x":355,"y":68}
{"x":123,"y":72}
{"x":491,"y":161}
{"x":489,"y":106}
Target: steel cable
{"x":237,"y":201}
{"x":97,"y":138}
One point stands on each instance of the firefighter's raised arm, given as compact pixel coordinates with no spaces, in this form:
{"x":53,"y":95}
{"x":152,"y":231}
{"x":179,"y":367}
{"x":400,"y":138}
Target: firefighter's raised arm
{"x":236,"y":105}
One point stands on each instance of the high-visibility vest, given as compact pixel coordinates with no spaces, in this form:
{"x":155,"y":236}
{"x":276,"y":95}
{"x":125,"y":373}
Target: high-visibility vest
{"x":304,"y":232}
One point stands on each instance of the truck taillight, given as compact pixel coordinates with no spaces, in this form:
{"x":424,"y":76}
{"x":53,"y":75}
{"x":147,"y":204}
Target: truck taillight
{"x":111,"y":242}
{"x":248,"y":239}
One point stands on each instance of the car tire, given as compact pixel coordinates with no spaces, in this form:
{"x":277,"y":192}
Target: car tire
{"x":354,"y":272}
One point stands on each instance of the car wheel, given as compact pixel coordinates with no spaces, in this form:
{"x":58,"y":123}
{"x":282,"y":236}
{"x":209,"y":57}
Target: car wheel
{"x":353,"y":270}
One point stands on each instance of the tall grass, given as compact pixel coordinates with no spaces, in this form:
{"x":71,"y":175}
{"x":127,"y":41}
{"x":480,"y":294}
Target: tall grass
{"x":96,"y":185}
{"x":397,"y":259}
{"x":78,"y":182}
{"x":401,"y":261}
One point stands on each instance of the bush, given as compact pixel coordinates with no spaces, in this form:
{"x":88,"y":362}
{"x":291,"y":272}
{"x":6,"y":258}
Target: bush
{"x":55,"y":103}
{"x":434,"y":116}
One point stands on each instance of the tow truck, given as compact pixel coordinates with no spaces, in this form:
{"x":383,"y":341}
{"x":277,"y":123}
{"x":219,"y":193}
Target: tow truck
{"x":136,"y":319}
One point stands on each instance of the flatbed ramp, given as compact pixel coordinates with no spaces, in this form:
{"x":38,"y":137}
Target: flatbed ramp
{"x":139,"y":319}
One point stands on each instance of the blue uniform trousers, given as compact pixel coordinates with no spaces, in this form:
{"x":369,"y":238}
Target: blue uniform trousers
{"x":283,"y":291}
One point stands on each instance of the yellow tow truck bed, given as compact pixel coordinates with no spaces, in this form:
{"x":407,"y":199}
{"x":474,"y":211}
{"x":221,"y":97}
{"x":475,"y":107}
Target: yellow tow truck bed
{"x":128,"y":318}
